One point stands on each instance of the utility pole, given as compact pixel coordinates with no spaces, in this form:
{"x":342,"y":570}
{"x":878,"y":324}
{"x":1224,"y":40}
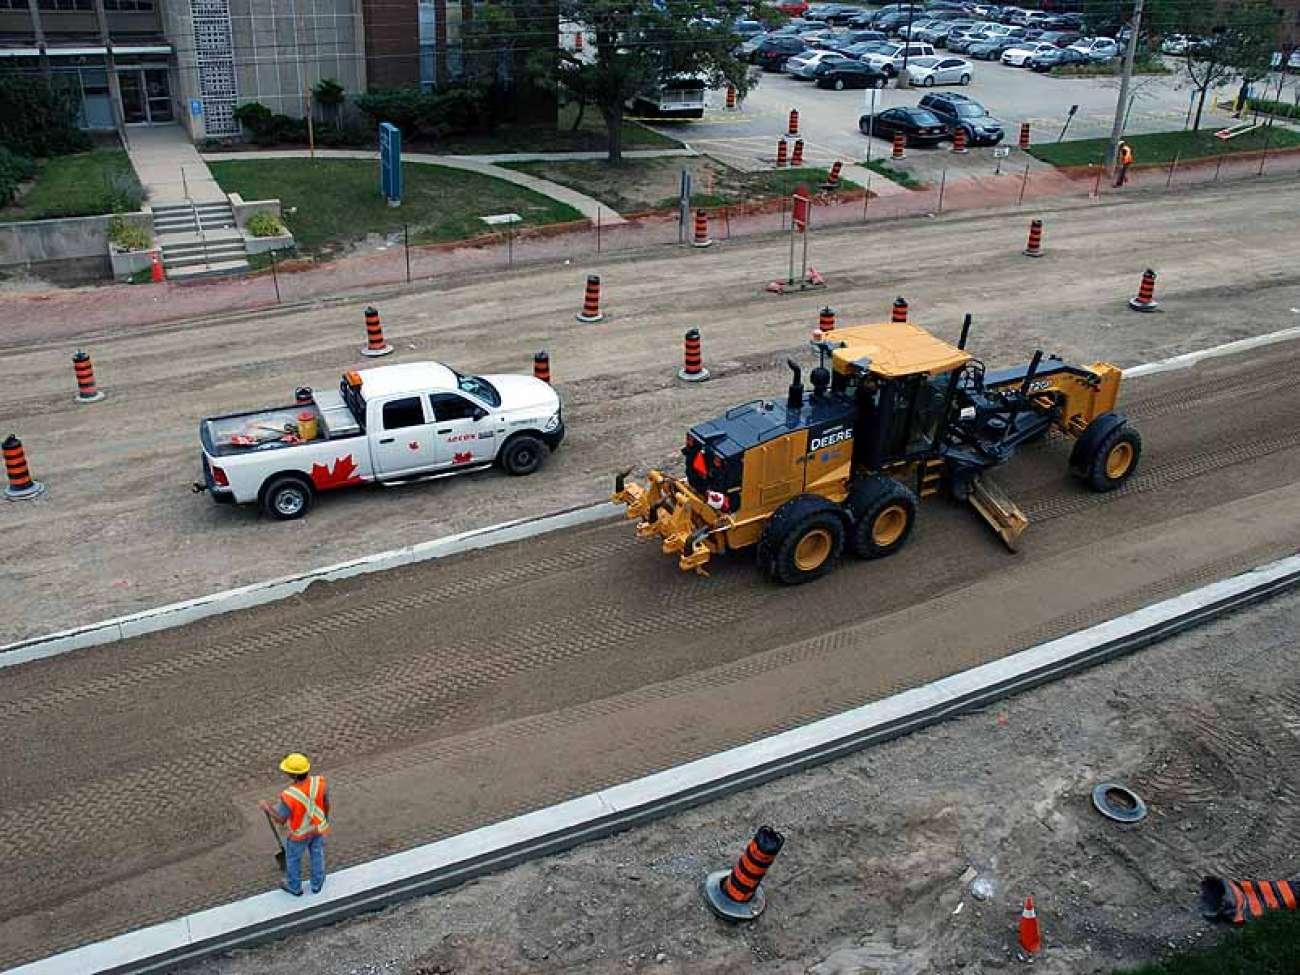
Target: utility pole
{"x":1121,"y":104}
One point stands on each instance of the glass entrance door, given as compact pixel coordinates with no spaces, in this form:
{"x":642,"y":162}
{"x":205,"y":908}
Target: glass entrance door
{"x":135,"y":107}
{"x":146,"y":95}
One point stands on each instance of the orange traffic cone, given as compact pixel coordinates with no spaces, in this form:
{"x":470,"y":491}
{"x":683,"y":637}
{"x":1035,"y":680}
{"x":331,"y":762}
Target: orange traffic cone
{"x":1031,"y":939}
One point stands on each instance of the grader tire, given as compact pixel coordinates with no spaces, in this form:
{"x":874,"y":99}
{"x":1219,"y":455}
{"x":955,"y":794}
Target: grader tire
{"x":884,"y":512}
{"x":1114,"y":460}
{"x":802,"y":541}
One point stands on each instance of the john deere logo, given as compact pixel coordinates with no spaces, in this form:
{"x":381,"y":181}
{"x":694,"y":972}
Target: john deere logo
{"x":829,"y":439}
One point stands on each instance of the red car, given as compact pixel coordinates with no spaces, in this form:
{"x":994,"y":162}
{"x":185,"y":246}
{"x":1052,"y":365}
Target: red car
{"x":793,"y":8}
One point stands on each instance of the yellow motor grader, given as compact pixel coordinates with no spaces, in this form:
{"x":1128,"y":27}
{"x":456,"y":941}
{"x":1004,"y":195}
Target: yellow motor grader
{"x":900,"y":415}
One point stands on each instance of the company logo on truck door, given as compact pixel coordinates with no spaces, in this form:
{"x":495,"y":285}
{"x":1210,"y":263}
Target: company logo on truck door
{"x":828,"y":438}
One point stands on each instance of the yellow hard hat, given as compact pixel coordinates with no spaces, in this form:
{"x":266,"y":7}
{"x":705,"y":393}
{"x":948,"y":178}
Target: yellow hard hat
{"x":295,"y":764}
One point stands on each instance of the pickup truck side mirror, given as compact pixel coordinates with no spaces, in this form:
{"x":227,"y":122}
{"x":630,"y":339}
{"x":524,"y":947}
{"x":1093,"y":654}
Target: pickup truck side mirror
{"x":479,"y":413}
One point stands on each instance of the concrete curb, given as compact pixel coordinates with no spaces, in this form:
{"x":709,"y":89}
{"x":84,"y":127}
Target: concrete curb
{"x":258,"y":593}
{"x":1189,"y":359}
{"x":453,"y":861}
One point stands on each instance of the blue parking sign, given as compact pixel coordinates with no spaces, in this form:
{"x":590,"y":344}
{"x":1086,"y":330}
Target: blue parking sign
{"x":390,"y":162}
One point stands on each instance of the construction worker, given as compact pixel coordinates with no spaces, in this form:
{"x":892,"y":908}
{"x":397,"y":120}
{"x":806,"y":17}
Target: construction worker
{"x":305,"y":807}
{"x":1125,"y":160}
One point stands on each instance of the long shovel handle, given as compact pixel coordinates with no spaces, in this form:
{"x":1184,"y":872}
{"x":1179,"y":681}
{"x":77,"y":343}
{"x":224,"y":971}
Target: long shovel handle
{"x":279,"y":854}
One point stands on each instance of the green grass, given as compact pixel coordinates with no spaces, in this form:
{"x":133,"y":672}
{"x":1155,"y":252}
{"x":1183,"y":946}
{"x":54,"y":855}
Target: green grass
{"x":81,"y":185}
{"x":1269,"y":946}
{"x":650,"y":184}
{"x":899,"y":176}
{"x":338,"y":200}
{"x":560,"y":137}
{"x":1160,"y":147}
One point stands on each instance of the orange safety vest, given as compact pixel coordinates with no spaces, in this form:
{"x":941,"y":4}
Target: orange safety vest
{"x":306,"y":804}
{"x":1126,"y":155}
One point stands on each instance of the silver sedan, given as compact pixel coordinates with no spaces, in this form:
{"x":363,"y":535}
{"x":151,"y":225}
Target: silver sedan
{"x":930,"y":71}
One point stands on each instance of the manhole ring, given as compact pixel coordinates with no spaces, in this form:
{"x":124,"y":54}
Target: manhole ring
{"x":1119,"y":802}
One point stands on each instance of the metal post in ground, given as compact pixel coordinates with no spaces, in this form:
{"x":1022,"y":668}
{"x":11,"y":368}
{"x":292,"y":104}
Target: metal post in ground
{"x":1023,"y":182}
{"x":1217,"y":167}
{"x":1268,"y":135}
{"x":943,"y":181}
{"x":866,"y":197}
{"x":1173,"y":164}
{"x":275,"y":277}
{"x":1101,"y":169}
{"x":726,"y":220}
{"x":598,"y":221}
{"x":510,"y":245}
{"x":406,"y":246}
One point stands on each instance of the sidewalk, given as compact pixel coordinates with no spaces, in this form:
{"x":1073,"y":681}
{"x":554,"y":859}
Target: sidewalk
{"x":170,"y":168}
{"x":588,"y":206}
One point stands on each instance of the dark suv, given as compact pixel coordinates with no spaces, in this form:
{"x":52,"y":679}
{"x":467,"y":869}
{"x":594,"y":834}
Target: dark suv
{"x":960,"y":112}
{"x":772,"y":54}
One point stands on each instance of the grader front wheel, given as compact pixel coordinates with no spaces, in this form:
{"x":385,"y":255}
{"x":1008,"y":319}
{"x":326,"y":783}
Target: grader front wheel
{"x":802,"y":541}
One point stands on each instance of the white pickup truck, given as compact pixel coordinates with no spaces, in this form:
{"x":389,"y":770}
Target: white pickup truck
{"x":390,"y":424}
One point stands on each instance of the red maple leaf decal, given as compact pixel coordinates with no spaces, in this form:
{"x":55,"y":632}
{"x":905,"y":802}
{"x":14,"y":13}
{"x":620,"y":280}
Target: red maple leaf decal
{"x":464,"y":458}
{"x":343,"y":474}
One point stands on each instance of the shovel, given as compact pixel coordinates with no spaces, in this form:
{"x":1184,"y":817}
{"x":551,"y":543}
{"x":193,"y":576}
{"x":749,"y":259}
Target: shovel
{"x":279,"y":856}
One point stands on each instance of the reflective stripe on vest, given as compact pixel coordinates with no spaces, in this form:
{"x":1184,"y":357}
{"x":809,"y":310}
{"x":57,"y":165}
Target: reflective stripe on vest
{"x":306,"y":814}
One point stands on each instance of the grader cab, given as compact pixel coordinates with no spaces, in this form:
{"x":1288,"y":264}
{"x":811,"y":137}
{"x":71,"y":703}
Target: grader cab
{"x":900,"y":415}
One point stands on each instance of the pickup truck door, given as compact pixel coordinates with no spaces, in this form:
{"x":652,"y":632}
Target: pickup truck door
{"x":402,"y":441}
{"x":465,"y":432}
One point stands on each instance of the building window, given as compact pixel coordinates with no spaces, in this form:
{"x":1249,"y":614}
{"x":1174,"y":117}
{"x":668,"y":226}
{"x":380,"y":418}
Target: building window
{"x":65,"y":4}
{"x":129,"y":6}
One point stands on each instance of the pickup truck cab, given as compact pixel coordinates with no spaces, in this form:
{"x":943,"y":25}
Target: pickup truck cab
{"x":390,"y":424}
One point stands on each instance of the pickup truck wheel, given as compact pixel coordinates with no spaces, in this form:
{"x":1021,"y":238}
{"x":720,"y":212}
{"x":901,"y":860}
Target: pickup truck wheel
{"x":523,"y":454}
{"x":287,"y":498}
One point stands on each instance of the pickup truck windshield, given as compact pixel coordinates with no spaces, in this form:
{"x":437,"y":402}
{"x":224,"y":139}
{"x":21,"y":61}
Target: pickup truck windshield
{"x":480,"y":387}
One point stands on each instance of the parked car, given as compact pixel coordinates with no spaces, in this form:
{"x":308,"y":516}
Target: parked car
{"x":1292,"y":62}
{"x":962,"y":43}
{"x":793,"y":8}
{"x":772,"y":54}
{"x":987,"y":10}
{"x":928,"y":72}
{"x":388,"y":424}
{"x":1017,"y":56}
{"x":745,"y":50}
{"x":918,"y":23}
{"x":1060,"y":38}
{"x":991,"y":48}
{"x":747,"y":28}
{"x":833,"y":13}
{"x":937,"y":33}
{"x":850,"y":74}
{"x":1098,"y":49}
{"x":805,"y":65}
{"x":891,"y":58}
{"x":1015,"y":16}
{"x":958,"y":111}
{"x":862,"y":36}
{"x":1178,"y":43}
{"x":918,"y":126}
{"x":1058,"y":57}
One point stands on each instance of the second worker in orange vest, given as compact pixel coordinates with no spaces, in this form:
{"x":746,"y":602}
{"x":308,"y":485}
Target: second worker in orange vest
{"x":304,"y":807}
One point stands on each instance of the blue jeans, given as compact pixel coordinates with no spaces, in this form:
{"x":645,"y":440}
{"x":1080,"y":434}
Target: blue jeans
{"x":293,"y":851}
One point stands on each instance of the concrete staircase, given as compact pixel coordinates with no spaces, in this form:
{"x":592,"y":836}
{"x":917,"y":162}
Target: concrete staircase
{"x":199,"y":240}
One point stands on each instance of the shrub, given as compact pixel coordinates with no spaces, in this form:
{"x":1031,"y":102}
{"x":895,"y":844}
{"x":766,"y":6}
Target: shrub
{"x":1267,"y":106}
{"x":14,"y":169}
{"x":264,"y":225}
{"x":128,"y":236}
{"x":123,"y":192}
{"x":433,"y":113}
{"x":39,"y":117}
{"x":269,"y":128}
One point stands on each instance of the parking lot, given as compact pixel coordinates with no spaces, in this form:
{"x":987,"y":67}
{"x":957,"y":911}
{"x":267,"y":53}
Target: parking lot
{"x":829,"y":119}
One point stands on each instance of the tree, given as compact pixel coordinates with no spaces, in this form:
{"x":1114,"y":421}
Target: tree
{"x":639,"y":44}
{"x":1234,"y":39}
{"x":329,"y":94}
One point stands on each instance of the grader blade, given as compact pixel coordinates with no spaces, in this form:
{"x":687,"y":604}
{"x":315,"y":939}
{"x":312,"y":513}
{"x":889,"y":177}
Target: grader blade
{"x":999,"y":511}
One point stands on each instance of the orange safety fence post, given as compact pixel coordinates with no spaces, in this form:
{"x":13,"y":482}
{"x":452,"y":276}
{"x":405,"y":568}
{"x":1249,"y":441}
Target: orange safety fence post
{"x":591,"y":301}
{"x":736,"y":894}
{"x":22,"y":487}
{"x":899,"y":311}
{"x":542,"y":366}
{"x":1035,"y":246}
{"x":692,"y":370}
{"x":1146,"y":296}
{"x":375,"y":344}
{"x":87,"y":391}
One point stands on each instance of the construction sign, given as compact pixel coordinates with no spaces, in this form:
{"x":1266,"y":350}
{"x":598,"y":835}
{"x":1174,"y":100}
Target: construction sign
{"x":802,"y":207}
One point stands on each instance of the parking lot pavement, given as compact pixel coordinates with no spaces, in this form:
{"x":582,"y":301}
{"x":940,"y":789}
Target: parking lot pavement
{"x":747,"y":138}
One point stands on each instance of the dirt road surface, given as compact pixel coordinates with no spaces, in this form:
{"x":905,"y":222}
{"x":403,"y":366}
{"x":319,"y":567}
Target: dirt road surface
{"x":442,"y":697}
{"x":881,"y":848}
{"x":119,"y":528}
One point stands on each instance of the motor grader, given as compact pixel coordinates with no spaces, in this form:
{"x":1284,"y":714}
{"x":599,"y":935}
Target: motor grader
{"x":900,"y":415}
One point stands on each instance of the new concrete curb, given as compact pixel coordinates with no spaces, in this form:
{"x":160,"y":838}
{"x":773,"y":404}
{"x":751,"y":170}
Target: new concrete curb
{"x":258,"y":593}
{"x":453,"y":861}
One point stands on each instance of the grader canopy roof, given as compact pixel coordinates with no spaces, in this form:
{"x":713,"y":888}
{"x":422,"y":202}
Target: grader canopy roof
{"x":894,"y":349}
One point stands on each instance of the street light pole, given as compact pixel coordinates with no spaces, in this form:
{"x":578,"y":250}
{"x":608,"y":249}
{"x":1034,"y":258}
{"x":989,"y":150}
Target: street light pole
{"x":903,"y":79}
{"x":1126,"y":78}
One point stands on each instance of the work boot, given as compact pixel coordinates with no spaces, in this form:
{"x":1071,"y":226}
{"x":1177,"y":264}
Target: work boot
{"x":289,"y":890}
{"x":317,"y":890}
